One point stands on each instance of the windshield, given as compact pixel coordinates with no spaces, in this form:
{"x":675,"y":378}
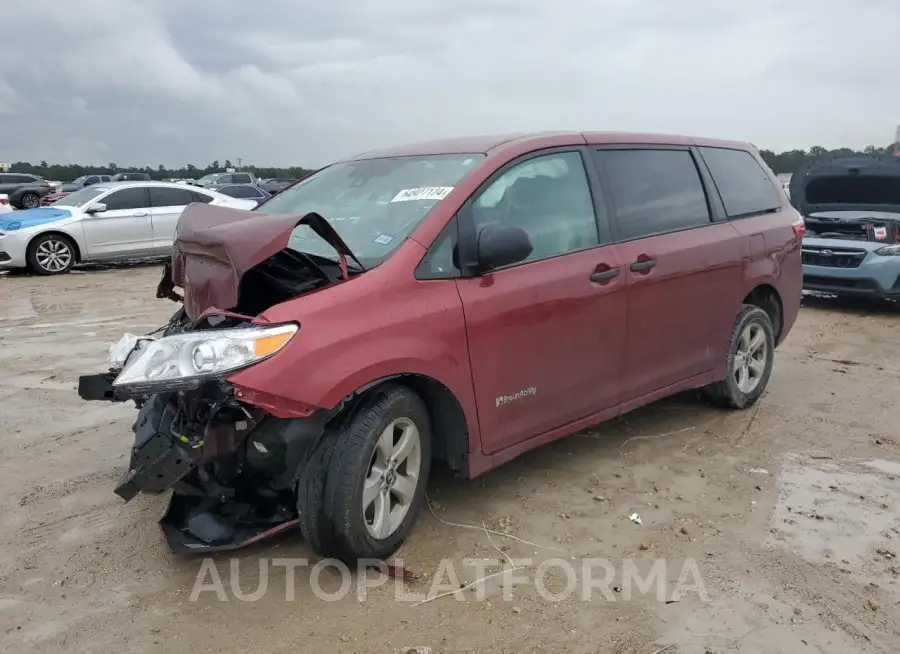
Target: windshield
{"x":373,"y":204}
{"x":81,"y":197}
{"x":78,"y":180}
{"x":209,"y":178}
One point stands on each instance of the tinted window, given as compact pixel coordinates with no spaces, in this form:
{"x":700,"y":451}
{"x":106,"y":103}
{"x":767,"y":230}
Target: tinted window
{"x":224,"y":179}
{"x":127,"y":198}
{"x":547,"y":196}
{"x":201,"y":197}
{"x":654,"y":191}
{"x":170,"y":197}
{"x":230,"y":191}
{"x":247,"y":192}
{"x":744,"y":186}
{"x":241,"y":178}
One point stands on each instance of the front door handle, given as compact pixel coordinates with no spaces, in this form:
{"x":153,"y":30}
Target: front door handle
{"x":604,"y":275}
{"x":139,"y":214}
{"x":642,"y":266}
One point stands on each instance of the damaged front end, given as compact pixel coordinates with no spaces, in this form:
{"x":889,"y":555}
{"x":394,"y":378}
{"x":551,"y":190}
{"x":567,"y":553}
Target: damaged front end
{"x":232,"y":466}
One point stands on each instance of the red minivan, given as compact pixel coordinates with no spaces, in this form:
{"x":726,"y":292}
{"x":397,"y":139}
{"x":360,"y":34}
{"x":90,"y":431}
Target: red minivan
{"x":462,"y":301}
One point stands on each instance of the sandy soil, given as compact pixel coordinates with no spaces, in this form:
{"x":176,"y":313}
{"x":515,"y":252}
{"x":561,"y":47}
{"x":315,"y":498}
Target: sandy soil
{"x":791,"y":512}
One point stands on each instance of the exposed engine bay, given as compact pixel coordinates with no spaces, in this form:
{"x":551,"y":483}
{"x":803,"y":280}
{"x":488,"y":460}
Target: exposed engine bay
{"x":232,"y":467}
{"x":862,"y":227}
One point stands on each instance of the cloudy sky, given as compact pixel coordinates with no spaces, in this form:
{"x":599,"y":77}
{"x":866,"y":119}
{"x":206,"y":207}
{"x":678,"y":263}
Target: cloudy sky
{"x":278,"y":82}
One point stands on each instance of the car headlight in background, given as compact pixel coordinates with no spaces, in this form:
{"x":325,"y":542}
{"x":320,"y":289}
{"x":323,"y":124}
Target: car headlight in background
{"x":889,"y":251}
{"x":184,"y":361}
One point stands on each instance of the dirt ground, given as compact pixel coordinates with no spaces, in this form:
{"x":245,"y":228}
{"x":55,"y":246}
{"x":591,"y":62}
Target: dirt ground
{"x":790,"y":512}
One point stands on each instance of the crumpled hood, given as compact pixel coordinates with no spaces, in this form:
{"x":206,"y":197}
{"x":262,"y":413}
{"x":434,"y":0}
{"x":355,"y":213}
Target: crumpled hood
{"x":215,"y":246}
{"x":852,"y":183}
{"x":32,"y":218}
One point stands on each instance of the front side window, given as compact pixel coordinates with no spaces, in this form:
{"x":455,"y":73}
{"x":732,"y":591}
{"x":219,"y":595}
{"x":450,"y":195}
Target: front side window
{"x":549,"y":197}
{"x":230,"y":191}
{"x":743,"y":185}
{"x":654,"y":191}
{"x":81,"y":197}
{"x":126,"y":198}
{"x":373,"y":203}
{"x":92,"y":180}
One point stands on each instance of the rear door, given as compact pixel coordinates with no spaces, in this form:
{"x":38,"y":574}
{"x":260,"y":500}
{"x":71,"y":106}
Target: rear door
{"x":545,"y":335}
{"x":124,"y":230}
{"x":166,"y":206}
{"x":680,"y":266}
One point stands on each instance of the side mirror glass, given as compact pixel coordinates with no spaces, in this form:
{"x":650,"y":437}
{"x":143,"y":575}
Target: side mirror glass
{"x":98,"y":207}
{"x":501,"y":246}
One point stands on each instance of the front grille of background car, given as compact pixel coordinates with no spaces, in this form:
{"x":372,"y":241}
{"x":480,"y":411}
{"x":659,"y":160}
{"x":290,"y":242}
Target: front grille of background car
{"x":833,"y":257}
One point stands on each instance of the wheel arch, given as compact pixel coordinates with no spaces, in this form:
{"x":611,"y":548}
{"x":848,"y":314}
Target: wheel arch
{"x":767,"y":298}
{"x":449,"y":427}
{"x":57,"y":232}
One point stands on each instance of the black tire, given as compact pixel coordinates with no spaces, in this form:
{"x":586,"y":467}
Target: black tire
{"x":30,"y":200}
{"x":314,"y":524}
{"x":727,"y":393}
{"x":35,"y":266}
{"x":354,"y":450}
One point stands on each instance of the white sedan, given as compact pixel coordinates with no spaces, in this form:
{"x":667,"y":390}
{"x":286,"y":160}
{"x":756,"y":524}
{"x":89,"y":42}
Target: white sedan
{"x":104,"y":222}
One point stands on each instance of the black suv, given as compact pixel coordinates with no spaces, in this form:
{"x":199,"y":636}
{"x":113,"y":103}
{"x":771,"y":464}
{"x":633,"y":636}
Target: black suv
{"x":24,"y":191}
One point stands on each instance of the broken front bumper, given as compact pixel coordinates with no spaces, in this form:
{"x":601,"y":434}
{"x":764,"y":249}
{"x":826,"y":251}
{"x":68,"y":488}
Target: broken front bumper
{"x":253,"y":501}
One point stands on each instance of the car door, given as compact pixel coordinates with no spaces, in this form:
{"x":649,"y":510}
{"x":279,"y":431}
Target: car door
{"x":545,"y":335}
{"x":124,"y":230}
{"x":681,"y":267}
{"x":166,"y":206}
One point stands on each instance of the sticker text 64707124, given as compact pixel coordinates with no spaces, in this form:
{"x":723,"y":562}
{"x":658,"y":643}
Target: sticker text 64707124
{"x":424,"y":193}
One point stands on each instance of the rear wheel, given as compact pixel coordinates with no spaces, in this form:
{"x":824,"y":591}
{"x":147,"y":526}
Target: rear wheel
{"x":51,"y":254}
{"x":374,"y":485}
{"x":31,"y":200}
{"x":751,"y":354}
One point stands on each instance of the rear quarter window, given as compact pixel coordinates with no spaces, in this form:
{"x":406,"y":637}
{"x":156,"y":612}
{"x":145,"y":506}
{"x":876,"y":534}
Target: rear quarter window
{"x":743,"y":185}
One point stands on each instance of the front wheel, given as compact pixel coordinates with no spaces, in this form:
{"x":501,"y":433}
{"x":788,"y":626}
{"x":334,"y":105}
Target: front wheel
{"x":374,"y":485}
{"x":751,"y":354}
{"x":51,"y":254}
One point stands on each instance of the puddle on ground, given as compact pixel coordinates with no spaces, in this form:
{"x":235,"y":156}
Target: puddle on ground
{"x":846,"y":514}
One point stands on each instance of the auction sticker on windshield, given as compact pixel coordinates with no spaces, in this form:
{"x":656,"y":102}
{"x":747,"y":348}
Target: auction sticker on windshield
{"x":424,"y":193}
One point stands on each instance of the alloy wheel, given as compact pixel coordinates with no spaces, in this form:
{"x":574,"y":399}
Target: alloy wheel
{"x":31,"y":201}
{"x":750,"y":358}
{"x":393,"y":477}
{"x":53,"y":255}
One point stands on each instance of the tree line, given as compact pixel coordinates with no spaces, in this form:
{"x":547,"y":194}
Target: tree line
{"x":68,"y":172}
{"x":780,"y":162}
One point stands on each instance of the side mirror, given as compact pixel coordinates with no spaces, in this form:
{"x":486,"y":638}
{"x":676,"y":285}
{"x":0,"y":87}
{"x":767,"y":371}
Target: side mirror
{"x":501,"y":246}
{"x":98,"y":207}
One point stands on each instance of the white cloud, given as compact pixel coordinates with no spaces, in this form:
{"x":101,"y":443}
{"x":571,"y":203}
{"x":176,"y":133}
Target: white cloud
{"x":168,"y":81}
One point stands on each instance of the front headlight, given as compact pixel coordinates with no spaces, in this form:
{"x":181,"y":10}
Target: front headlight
{"x":889,"y":251}
{"x":185,"y":360}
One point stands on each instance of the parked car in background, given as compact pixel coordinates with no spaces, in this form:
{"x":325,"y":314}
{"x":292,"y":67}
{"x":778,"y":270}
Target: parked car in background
{"x":82,"y":182}
{"x":851,"y":206}
{"x":5,"y":206}
{"x":220,"y":179}
{"x":243,"y":191}
{"x":131,"y":177}
{"x":22,"y":190}
{"x":102,"y":222}
{"x":463,"y":300}
{"x":273,"y":186}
